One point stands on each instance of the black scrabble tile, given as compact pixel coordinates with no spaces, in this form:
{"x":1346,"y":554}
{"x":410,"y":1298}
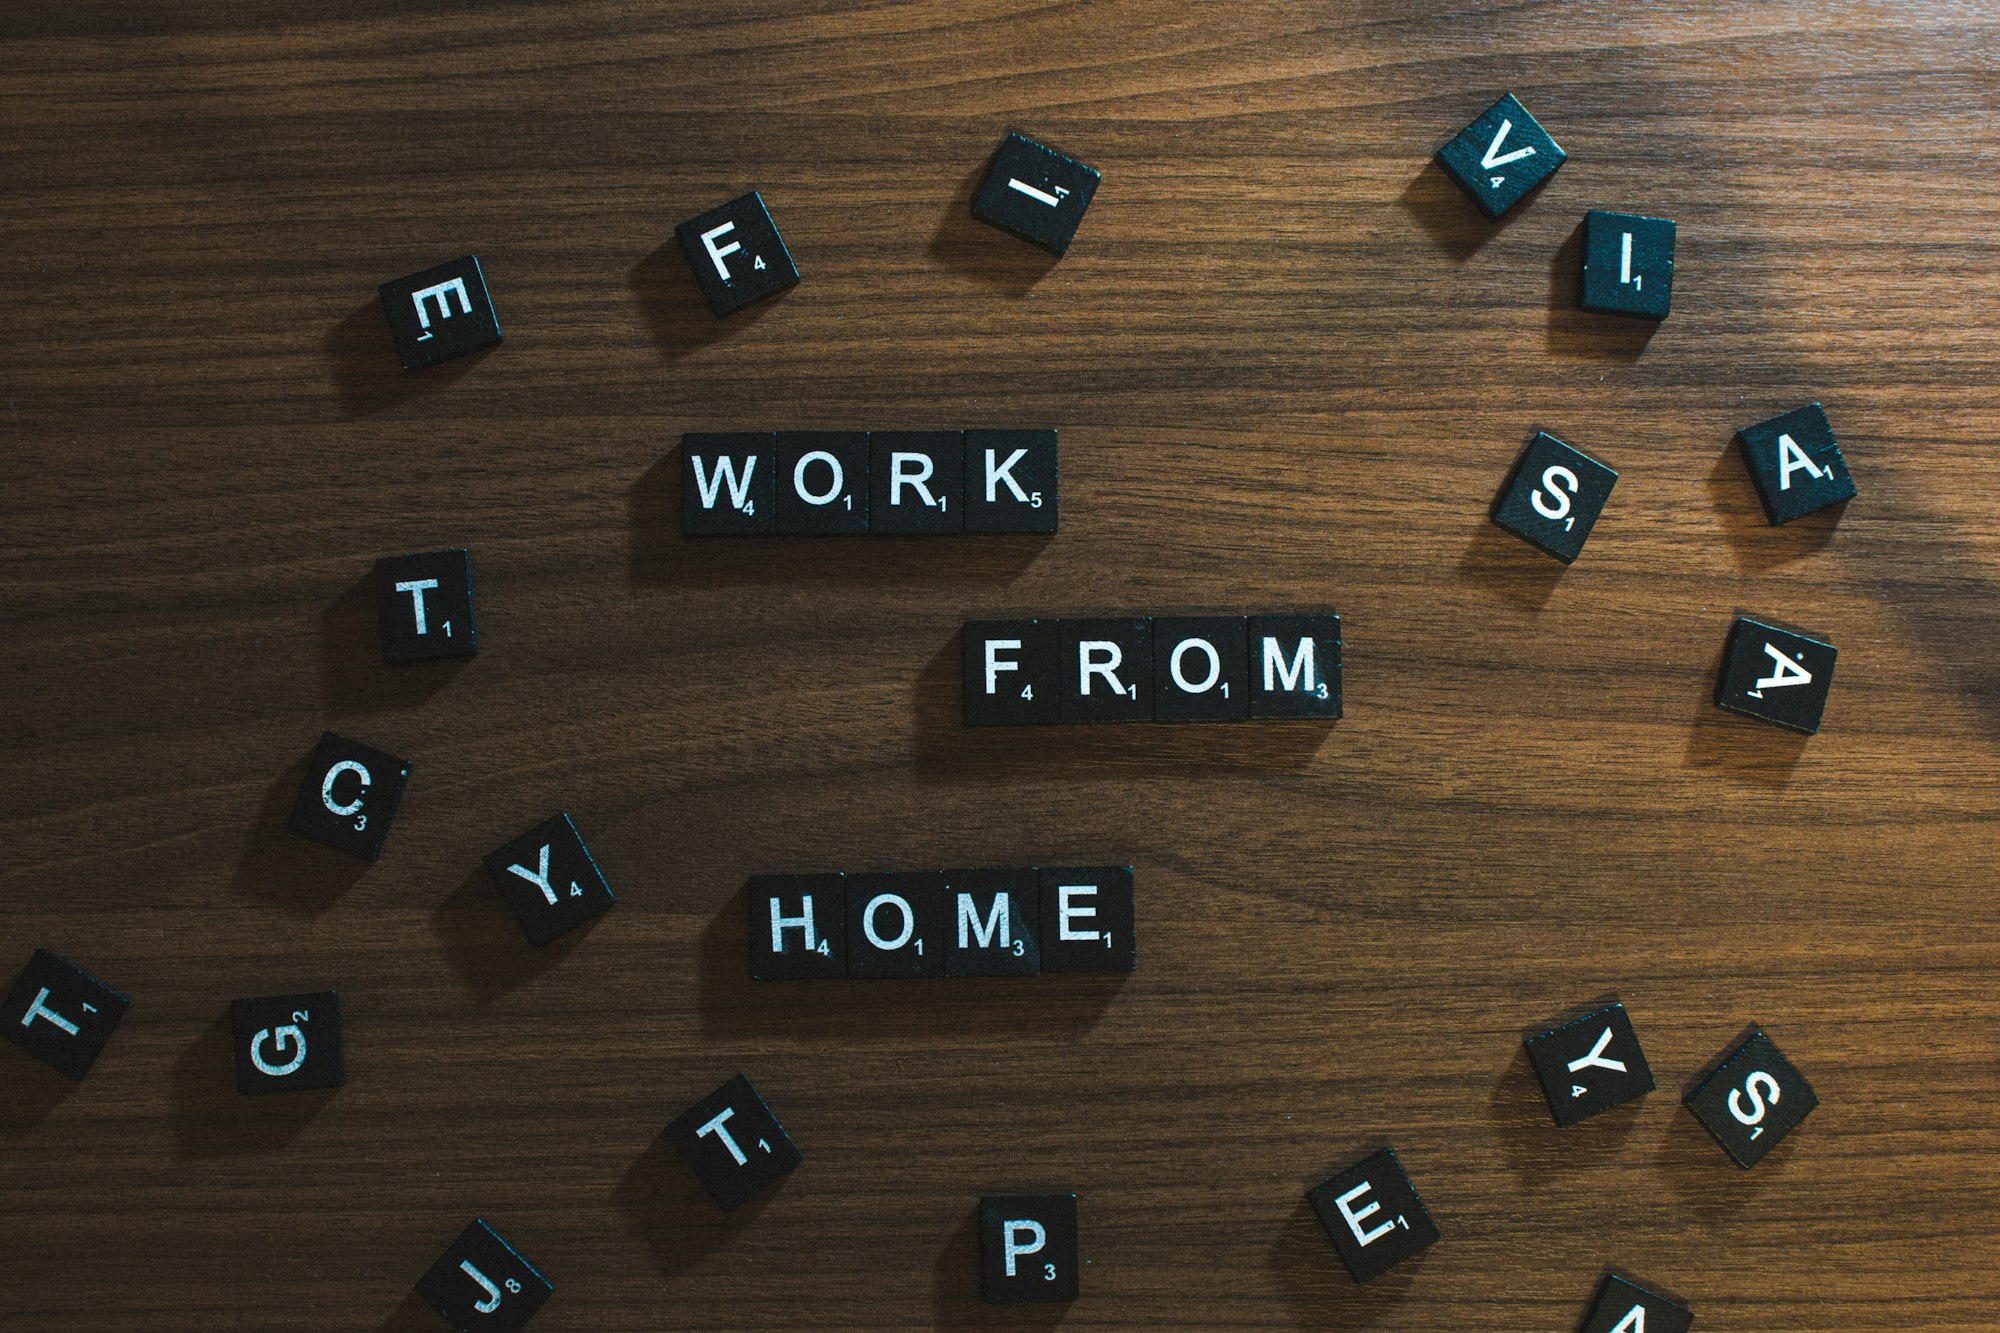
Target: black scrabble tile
{"x":1295,"y":666}
{"x":349,"y":797}
{"x":1623,"y":1306}
{"x":1753,"y":1100}
{"x":482,"y":1284}
{"x":1775,"y":675}
{"x":895,"y":925}
{"x":733,"y":1143}
{"x":440,"y":313}
{"x":550,"y":880}
{"x":60,"y":1014}
{"x":1107,"y":670}
{"x":822,"y":482}
{"x":992,"y":923}
{"x":1028,"y":1249}
{"x":286,"y":1043}
{"x":1012,"y":482}
{"x":1201,"y":668}
{"x":1034,"y":192}
{"x":424,"y":603}
{"x":737,"y":255}
{"x":1628,"y":265}
{"x":1011,"y":670}
{"x":1500,"y":157}
{"x":1373,"y":1214}
{"x":729,"y":484}
{"x":798,"y":927}
{"x":1590,"y":1064}
{"x":1795,"y":463}
{"x":1088,"y":919}
{"x":1553,"y":496}
{"x":916,"y":481}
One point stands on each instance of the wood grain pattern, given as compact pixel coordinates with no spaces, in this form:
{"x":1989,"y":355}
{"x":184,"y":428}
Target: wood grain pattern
{"x":1291,"y":367}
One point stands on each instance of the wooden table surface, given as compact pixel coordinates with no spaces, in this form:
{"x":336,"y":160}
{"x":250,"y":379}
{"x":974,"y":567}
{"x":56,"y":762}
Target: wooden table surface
{"x":1290,"y":365}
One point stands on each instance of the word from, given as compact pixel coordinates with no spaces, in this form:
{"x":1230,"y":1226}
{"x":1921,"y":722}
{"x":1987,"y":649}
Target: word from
{"x":1151,"y":669}
{"x":894,"y":483}
{"x":953,"y":923}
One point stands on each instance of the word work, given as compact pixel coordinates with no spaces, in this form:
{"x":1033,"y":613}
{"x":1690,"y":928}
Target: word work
{"x":1151,"y":669}
{"x":942,"y":923}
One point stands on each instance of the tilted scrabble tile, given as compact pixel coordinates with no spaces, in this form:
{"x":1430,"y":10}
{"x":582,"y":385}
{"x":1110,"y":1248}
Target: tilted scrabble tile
{"x":1034,"y":192}
{"x":349,"y":797}
{"x":1028,"y":1249}
{"x":1500,"y":157}
{"x":440,"y":313}
{"x":1628,"y":265}
{"x":1088,"y":915}
{"x":895,"y":925}
{"x":550,"y":880}
{"x":1775,"y":675}
{"x":733,"y":1143}
{"x":287,"y":1043}
{"x":482,"y":1283}
{"x":1590,"y":1064}
{"x":1143,"y":669}
{"x":1553,"y":496}
{"x":798,"y":927}
{"x":60,"y":1014}
{"x":992,"y":923}
{"x":1753,"y":1100}
{"x":822,"y":481}
{"x":737,"y":255}
{"x":1373,"y":1214}
{"x":1623,"y":1306}
{"x":1011,"y":669}
{"x":1796,"y":464}
{"x":424,"y":603}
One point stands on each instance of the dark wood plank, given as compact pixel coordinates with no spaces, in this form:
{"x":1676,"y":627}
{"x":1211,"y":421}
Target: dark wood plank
{"x":1291,"y":367}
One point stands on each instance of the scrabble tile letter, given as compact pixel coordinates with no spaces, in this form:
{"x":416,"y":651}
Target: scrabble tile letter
{"x":916,"y":481}
{"x":1028,"y":1249}
{"x":424,"y":603}
{"x":1774,"y":675}
{"x":733,"y":1143}
{"x":1034,"y":192}
{"x":1295,"y":666}
{"x":1011,"y":481}
{"x":349,"y":797}
{"x":992,"y":923}
{"x":798,"y":927}
{"x":440,"y":313}
{"x":60,"y":1014}
{"x":895,"y":925}
{"x":1201,"y":669}
{"x":1087,"y":919}
{"x":482,"y":1283}
{"x":729,"y":485}
{"x":1796,"y":464}
{"x":1752,"y":1100}
{"x":1628,"y":265}
{"x":1107,"y":670}
{"x":1011,"y":670}
{"x":1627,"y":1307}
{"x":1501,"y":156}
{"x":550,"y":880}
{"x":1374,"y":1216}
{"x":822,"y":481}
{"x":1590,"y":1064}
{"x":286,"y":1043}
{"x":1553,"y":496}
{"x":737,"y":254}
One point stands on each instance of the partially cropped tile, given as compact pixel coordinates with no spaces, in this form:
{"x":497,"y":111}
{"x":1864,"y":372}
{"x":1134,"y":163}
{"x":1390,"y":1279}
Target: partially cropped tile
{"x":1623,"y":1306}
{"x":798,"y":927}
{"x":482,"y":1284}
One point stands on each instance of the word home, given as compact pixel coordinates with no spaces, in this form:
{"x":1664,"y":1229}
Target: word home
{"x":1151,"y":669}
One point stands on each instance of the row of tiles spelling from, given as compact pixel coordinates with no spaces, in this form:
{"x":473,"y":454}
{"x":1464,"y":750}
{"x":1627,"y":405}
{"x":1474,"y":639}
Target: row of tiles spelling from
{"x":942,"y":923}
{"x":833,"y":483}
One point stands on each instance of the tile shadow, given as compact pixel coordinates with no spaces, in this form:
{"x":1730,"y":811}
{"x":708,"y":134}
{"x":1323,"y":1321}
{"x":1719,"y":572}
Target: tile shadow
{"x":281,"y":869}
{"x":677,"y":314}
{"x":483,"y":943}
{"x":1579,"y":334}
{"x":353,"y":676}
{"x":212,"y":1119}
{"x":368,"y":377}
